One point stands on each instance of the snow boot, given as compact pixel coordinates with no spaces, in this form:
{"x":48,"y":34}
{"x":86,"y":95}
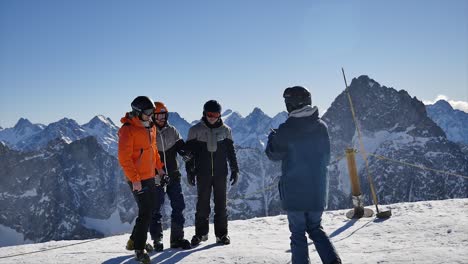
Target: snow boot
{"x":142,"y":257}
{"x":225,"y":240}
{"x":196,"y":240}
{"x":181,"y":243}
{"x":131,"y":246}
{"x":158,"y":245}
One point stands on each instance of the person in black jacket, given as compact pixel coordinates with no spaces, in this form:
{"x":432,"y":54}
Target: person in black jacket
{"x":303,"y":145}
{"x":210,"y":143}
{"x":169,"y":143}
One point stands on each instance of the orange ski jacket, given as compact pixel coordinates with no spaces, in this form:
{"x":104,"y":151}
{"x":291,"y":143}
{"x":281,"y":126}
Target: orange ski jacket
{"x":138,"y":153}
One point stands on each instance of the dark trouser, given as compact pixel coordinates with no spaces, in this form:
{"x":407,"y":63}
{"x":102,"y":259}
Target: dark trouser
{"x":145,"y":200}
{"x":174,"y":192}
{"x":301,"y":222}
{"x":204,"y":185}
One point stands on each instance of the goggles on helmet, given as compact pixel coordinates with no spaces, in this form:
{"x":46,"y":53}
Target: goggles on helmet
{"x":160,"y":116}
{"x":148,"y":112}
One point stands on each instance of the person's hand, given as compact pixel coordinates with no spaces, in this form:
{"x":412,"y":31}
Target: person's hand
{"x":191,"y":178}
{"x":136,"y":186}
{"x":234,"y":177}
{"x":165,"y":180}
{"x":187,"y":157}
{"x":160,"y":172}
{"x":272,"y":133}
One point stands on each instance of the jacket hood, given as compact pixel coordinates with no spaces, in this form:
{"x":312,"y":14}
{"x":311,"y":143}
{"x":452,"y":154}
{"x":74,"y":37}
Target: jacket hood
{"x":132,"y":120}
{"x":304,"y":111}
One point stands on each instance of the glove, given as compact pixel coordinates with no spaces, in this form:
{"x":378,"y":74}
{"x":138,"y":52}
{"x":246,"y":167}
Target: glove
{"x":234,"y":177}
{"x":272,"y":133}
{"x":191,"y":178}
{"x":165,"y":180}
{"x":187,"y":157}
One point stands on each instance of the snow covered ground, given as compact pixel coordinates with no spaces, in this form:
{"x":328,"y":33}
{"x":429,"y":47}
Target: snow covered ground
{"x":420,"y":232}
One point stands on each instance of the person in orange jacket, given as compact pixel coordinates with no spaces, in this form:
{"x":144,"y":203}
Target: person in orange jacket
{"x":140,"y":161}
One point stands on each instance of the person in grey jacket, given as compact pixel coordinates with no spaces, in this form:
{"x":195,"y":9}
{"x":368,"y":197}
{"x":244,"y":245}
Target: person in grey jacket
{"x":303,"y":145}
{"x":210,"y":143}
{"x":169,"y":143}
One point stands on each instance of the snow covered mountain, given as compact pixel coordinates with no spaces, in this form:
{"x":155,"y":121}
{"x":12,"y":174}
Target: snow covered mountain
{"x":453,"y":122}
{"x":74,"y":182}
{"x":28,"y":137}
{"x":419,"y":232}
{"x":59,"y":191}
{"x":21,"y":131}
{"x":105,"y":131}
{"x":396,"y":126}
{"x":252,"y":131}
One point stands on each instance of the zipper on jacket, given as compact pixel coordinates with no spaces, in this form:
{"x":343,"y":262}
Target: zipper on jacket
{"x":163,"y":149}
{"x":212,"y":167}
{"x":151,"y":152}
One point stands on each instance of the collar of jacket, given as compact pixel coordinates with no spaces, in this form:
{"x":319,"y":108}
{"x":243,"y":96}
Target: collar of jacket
{"x":161,"y":128}
{"x":215,"y":125}
{"x":134,"y":121}
{"x":304,"y":111}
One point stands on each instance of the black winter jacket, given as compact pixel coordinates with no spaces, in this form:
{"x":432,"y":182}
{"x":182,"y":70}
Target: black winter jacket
{"x":211,"y":147}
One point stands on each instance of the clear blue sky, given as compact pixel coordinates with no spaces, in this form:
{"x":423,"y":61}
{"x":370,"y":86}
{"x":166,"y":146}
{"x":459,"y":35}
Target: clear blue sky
{"x":78,"y":59}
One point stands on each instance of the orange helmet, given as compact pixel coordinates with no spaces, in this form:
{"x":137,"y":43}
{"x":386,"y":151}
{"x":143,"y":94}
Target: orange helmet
{"x":160,"y":108}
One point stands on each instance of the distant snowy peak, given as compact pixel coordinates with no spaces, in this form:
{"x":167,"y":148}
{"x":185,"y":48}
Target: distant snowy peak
{"x":278,"y":119}
{"x":454,"y":122}
{"x":443,"y":105}
{"x":98,"y":122}
{"x":22,"y":130}
{"x":257,"y":112}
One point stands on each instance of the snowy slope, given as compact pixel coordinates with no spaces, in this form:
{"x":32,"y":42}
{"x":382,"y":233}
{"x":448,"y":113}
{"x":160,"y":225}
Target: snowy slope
{"x":420,"y":232}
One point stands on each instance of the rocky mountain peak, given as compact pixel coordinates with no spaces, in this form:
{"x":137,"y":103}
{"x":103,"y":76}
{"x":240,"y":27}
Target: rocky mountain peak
{"x":22,"y":123}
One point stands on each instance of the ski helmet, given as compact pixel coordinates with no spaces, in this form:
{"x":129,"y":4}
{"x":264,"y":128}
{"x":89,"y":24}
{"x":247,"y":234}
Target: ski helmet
{"x":211,"y":106}
{"x":142,"y":104}
{"x":160,"y":108}
{"x":296,"y":97}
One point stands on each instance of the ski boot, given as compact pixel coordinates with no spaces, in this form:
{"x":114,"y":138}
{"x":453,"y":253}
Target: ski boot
{"x":196,"y":240}
{"x":225,"y":240}
{"x":181,"y":243}
{"x":142,"y":257}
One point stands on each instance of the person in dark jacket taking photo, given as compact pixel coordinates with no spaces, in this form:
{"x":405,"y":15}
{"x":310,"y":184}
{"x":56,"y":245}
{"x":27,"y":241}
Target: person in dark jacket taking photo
{"x":210,"y":143}
{"x":303,"y":145}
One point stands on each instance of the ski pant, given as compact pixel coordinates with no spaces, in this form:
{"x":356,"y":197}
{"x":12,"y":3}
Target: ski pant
{"x":206,"y":183}
{"x":145,"y":200}
{"x":174,"y":192}
{"x":301,"y":222}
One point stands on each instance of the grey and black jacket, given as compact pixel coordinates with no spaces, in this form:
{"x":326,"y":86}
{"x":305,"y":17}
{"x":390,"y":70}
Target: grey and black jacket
{"x":212,"y":148}
{"x":169,"y":143}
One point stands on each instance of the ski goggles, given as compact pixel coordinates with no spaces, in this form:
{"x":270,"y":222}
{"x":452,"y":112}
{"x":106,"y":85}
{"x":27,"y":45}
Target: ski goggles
{"x":160,"y":116}
{"x":213,"y":114}
{"x":148,"y":112}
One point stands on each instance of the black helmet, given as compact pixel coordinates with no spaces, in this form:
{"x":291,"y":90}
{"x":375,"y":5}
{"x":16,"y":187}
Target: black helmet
{"x":143,"y":104}
{"x":296,"y":97}
{"x":212,"y":106}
